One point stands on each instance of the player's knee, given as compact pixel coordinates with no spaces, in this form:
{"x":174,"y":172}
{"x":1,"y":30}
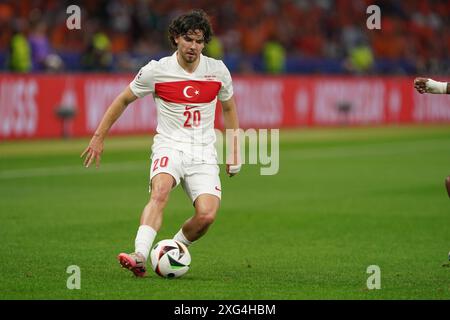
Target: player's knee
{"x":206,"y":217}
{"x":205,"y":212}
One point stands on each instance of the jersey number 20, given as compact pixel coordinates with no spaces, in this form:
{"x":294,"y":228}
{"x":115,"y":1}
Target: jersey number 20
{"x":192,"y":119}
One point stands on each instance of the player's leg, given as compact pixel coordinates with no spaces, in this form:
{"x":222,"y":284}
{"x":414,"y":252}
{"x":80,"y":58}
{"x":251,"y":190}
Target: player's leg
{"x":202,"y":185}
{"x":152,"y":214}
{"x":206,"y":207}
{"x":164,"y":176}
{"x":150,"y":223}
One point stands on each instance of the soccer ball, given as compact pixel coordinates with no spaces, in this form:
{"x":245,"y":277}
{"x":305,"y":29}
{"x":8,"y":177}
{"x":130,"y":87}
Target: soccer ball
{"x":170,"y":258}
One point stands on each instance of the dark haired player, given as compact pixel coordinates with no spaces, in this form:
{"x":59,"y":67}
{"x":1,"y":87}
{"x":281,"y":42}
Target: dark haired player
{"x":185,"y":87}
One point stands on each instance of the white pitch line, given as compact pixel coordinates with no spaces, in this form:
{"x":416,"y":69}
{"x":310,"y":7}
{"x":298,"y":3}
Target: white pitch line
{"x":69,"y":170}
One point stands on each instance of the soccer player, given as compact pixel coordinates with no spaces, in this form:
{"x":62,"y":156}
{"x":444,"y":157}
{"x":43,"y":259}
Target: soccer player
{"x":426,"y":85}
{"x":185,"y":87}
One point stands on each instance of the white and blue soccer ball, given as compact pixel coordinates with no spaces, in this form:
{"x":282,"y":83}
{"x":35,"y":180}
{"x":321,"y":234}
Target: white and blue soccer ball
{"x":170,"y":258}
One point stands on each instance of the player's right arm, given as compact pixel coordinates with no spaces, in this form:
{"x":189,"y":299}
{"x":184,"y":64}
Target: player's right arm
{"x":114,"y":111}
{"x":426,"y":85}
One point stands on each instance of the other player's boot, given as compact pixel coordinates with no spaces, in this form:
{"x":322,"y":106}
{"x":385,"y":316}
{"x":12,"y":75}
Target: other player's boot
{"x":447,"y":185}
{"x":135,"y":262}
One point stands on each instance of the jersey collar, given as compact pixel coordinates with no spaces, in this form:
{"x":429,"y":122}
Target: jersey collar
{"x":175,"y":60}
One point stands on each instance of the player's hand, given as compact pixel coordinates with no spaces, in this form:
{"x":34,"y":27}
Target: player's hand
{"x":93,"y":151}
{"x":421,"y":85}
{"x":424,"y":85}
{"x":233,"y":162}
{"x":233,"y":170}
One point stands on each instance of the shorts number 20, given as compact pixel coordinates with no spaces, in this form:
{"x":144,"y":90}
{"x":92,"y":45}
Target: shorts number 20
{"x":162,"y":163}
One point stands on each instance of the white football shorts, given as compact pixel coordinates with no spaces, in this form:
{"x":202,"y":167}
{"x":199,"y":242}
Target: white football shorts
{"x":195,"y":178}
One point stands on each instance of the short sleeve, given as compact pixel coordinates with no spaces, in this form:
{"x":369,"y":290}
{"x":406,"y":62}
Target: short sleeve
{"x":226,"y":91}
{"x":144,"y":82}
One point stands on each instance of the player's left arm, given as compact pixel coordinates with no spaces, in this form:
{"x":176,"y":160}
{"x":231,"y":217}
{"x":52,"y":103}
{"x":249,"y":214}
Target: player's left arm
{"x":231,"y":122}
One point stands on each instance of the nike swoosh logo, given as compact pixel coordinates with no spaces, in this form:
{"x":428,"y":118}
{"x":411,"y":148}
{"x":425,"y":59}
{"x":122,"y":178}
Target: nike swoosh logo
{"x":218,"y":189}
{"x":190,"y":107}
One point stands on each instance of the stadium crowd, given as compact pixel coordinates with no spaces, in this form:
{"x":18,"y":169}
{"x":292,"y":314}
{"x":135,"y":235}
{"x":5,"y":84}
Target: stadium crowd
{"x":273,"y":36}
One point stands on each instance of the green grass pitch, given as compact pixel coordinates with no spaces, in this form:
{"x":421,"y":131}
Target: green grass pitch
{"x":344,"y":199}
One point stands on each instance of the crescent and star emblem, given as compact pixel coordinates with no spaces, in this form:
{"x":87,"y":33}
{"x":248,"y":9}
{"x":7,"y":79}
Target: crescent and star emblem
{"x":185,"y":91}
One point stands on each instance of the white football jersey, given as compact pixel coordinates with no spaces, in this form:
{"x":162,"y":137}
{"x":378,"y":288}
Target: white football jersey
{"x":185,"y":103}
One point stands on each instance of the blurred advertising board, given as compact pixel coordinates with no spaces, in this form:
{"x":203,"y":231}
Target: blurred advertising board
{"x":29,"y":103}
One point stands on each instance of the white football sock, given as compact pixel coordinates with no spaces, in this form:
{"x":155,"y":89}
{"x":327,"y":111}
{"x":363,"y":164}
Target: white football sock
{"x":144,"y":240}
{"x":180,"y":237}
